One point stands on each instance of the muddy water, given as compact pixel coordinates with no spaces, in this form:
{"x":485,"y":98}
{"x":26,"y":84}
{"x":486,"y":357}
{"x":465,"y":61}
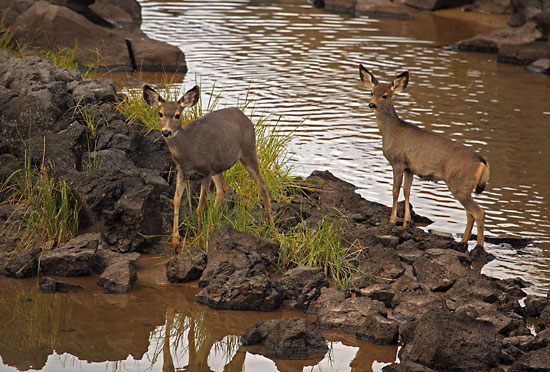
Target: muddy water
{"x":301,"y":63}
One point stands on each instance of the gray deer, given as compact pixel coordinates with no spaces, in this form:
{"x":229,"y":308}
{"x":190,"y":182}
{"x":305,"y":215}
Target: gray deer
{"x":206,"y":147}
{"x":415,"y":151}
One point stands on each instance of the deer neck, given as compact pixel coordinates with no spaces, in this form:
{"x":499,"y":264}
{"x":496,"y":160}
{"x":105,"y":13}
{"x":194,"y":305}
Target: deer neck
{"x":178,"y":146}
{"x":386,"y":119}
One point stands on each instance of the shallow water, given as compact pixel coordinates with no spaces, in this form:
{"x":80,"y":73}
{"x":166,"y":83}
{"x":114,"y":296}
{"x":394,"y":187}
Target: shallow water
{"x":302,"y":63}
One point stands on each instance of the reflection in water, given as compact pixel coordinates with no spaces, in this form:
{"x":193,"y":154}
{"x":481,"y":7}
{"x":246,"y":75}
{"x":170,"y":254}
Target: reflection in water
{"x":302,"y":63}
{"x":158,"y":327}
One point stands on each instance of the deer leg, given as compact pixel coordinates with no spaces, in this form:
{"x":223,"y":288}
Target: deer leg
{"x":181,"y":182}
{"x":221,"y":187}
{"x":397,"y":180}
{"x":205,"y":185}
{"x":253,"y":170}
{"x":473,"y":212}
{"x":407,"y":191}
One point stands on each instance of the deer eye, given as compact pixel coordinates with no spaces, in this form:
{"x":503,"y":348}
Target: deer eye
{"x":385,"y":96}
{"x":161,"y":114}
{"x":177,"y":116}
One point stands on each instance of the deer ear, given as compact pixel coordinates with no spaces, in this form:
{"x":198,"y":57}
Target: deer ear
{"x":400,"y":82}
{"x":367,"y":78}
{"x":151,"y":96}
{"x":190,"y":98}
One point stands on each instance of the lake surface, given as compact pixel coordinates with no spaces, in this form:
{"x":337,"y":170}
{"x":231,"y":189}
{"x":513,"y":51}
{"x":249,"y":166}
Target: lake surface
{"x":301,"y":64}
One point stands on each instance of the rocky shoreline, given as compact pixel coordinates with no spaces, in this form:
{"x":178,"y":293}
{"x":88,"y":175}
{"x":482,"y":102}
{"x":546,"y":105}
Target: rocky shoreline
{"x":413,"y":287}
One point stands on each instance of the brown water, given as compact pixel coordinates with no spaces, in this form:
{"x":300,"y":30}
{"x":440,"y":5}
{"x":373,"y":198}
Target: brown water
{"x":302,"y":63}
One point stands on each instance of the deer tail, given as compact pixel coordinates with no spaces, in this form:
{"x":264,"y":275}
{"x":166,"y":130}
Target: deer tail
{"x":482,"y":176}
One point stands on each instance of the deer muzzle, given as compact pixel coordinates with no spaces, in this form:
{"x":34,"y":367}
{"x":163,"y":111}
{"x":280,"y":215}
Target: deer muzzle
{"x":372,"y":106}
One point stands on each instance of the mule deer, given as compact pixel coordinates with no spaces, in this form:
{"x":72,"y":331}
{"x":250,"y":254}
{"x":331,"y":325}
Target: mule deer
{"x":206,"y":147}
{"x":415,"y":151}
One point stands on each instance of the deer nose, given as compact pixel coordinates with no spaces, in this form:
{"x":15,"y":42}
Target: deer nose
{"x":372,"y":105}
{"x":166,"y":133}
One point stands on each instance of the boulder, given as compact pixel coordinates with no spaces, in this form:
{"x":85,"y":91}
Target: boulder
{"x":237,"y":275}
{"x":186,"y":266}
{"x":492,"y":6}
{"x":378,"y":330}
{"x":301,"y":286}
{"x":534,"y":361}
{"x":56,"y":27}
{"x":541,"y":66}
{"x":118,"y":277}
{"x":523,"y":10}
{"x":381,"y":262}
{"x":349,"y":315}
{"x":435,"y":4}
{"x":287,"y":338}
{"x":524,"y":54}
{"x":77,"y":257}
{"x":544,"y":319}
{"x":534,"y":305}
{"x":24,"y":264}
{"x":370,"y":8}
{"x":445,"y":341}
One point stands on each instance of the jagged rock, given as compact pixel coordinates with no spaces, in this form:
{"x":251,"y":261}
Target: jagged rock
{"x":541,"y":66}
{"x":77,"y":257}
{"x":349,"y":315}
{"x":186,"y":266}
{"x":50,"y":285}
{"x":534,"y":361}
{"x":301,"y":286}
{"x":24,"y":264}
{"x":382,"y":262}
{"x":406,"y":366}
{"x":288,"y":338}
{"x":523,"y":10}
{"x":118,"y":277}
{"x":524,"y":54}
{"x":378,"y":330}
{"x":442,"y":340}
{"x":544,"y":319}
{"x":491,"y":6}
{"x":237,"y":273}
{"x":534,"y":305}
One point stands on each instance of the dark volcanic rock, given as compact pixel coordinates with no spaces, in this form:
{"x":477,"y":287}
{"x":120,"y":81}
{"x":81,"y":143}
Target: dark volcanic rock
{"x":491,"y":6}
{"x":446,"y":341}
{"x":237,"y":274}
{"x":534,"y":305}
{"x":50,"y":285}
{"x":77,"y":257}
{"x":544,"y":319}
{"x":534,"y":361}
{"x":406,"y":366}
{"x":24,"y":264}
{"x":288,"y":338}
{"x":524,"y":10}
{"x":186,"y":266}
{"x":301,"y":286}
{"x":349,"y":315}
{"x":378,"y":330}
{"x":370,"y":8}
{"x":118,"y":277}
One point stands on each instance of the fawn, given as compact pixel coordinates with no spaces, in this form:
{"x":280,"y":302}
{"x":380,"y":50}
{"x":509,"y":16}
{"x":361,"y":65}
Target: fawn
{"x":206,"y":147}
{"x":415,"y":151}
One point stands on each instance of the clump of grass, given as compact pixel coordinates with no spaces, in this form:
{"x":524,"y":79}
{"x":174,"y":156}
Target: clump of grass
{"x":51,"y":210}
{"x":319,"y":246}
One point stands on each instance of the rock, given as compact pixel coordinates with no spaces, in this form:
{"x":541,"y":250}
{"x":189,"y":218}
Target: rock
{"x":534,"y":361}
{"x":93,"y":91}
{"x":370,"y":8}
{"x":381,"y":262}
{"x":493,"y":41}
{"x":544,"y":319}
{"x":186,"y":266}
{"x":541,"y":66}
{"x":523,"y":10}
{"x":534,"y":305}
{"x":479,"y":254}
{"x":77,"y":257}
{"x":237,"y":273}
{"x":329,"y":296}
{"x":63,"y":28}
{"x":380,"y":292}
{"x":349,"y":315}
{"x":378,"y":330}
{"x":106,"y":257}
{"x":435,"y":4}
{"x":406,"y":366}
{"x":472,"y":285}
{"x":120,"y":14}
{"x":301,"y":286}
{"x":433,"y":275}
{"x":524,"y":54}
{"x":118,"y":277}
{"x":50,"y":285}
{"x":24,"y":264}
{"x":445,"y":341}
{"x":409,"y":306}
{"x":287,"y":338}
{"x":492,"y":6}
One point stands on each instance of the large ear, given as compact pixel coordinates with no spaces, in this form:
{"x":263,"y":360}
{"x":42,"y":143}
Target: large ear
{"x":367,"y":78}
{"x":400,"y":82}
{"x":151,"y":96}
{"x":190,"y":98}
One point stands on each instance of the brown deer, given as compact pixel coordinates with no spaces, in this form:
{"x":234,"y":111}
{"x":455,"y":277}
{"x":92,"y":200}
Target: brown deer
{"x":415,"y":151}
{"x":206,"y":147}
